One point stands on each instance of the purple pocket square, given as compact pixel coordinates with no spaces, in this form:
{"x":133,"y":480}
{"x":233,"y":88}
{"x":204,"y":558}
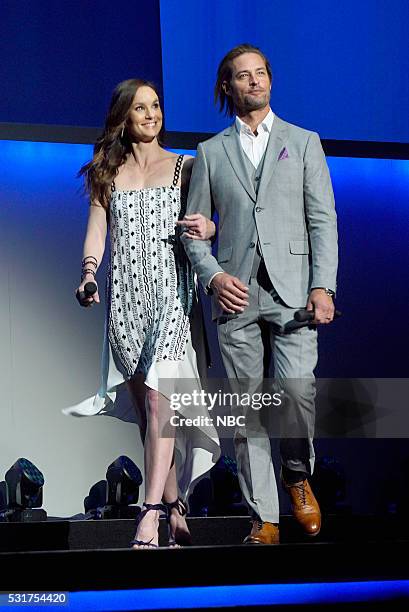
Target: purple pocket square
{"x":283,"y":154}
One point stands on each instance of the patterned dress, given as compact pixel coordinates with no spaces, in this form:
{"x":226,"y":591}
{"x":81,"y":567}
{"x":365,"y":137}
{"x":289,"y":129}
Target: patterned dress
{"x":147,"y":329}
{"x":150,"y":282}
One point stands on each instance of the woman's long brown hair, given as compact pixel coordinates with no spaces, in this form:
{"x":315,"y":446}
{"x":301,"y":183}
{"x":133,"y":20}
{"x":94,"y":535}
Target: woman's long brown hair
{"x":113,"y":145}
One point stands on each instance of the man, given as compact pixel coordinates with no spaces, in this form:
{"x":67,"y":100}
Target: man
{"x":277,"y":252}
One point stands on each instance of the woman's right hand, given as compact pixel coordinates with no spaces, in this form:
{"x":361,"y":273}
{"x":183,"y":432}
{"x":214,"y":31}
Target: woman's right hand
{"x":197,"y":227}
{"x":80,"y":295}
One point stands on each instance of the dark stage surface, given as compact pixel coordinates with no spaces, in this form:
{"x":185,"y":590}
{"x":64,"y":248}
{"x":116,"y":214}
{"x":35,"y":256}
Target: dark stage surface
{"x":361,"y":553}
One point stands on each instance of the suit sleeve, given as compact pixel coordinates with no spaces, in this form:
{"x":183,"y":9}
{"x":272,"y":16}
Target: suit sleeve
{"x":200,"y":201}
{"x":321,"y":216}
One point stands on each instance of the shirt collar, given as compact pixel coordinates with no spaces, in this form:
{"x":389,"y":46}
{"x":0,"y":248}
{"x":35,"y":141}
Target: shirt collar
{"x":266,"y":124}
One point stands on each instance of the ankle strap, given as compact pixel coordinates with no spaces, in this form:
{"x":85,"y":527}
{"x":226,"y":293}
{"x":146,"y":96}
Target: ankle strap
{"x":160,"y":507}
{"x":178,"y":504}
{"x":148,"y":507}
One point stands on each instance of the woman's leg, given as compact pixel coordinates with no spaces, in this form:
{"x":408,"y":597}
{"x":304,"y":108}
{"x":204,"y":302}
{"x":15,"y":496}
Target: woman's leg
{"x":158,"y":454}
{"x":138,"y":393}
{"x":177,"y":521}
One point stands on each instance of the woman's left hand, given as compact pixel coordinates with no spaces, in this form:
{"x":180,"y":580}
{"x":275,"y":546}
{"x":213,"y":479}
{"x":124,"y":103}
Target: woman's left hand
{"x":198,"y":227}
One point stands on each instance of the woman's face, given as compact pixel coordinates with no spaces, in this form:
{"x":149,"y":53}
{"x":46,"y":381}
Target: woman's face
{"x":144,"y":120}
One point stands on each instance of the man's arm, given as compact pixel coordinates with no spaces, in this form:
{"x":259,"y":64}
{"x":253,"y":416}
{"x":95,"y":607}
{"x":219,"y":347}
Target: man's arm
{"x":200,"y":201}
{"x":231,"y":293}
{"x":322,"y":229}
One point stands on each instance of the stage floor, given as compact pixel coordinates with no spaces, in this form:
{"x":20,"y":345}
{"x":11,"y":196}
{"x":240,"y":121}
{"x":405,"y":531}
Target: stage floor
{"x":95,"y":555}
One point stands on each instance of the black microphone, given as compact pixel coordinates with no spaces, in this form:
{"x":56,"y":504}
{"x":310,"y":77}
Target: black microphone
{"x":307,"y":315}
{"x":89,"y":290}
{"x":303,"y":318}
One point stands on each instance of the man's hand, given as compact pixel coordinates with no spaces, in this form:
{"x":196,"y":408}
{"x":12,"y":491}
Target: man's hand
{"x":323,"y":306}
{"x":232,"y":294}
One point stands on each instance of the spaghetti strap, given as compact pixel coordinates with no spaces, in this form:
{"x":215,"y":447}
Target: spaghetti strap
{"x":178,"y":168}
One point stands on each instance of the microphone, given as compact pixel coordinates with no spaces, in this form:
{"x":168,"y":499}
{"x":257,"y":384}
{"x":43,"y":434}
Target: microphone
{"x":303,"y":318}
{"x":307,"y":315}
{"x":89,"y":290}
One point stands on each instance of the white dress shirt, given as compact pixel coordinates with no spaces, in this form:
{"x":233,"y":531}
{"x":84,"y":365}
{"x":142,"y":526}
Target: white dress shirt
{"x":254,"y":146}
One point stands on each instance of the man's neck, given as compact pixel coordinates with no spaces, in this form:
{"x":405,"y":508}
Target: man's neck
{"x":253,"y":118}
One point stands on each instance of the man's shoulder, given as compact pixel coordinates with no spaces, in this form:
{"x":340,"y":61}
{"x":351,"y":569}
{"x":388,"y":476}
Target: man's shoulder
{"x":216,"y":139}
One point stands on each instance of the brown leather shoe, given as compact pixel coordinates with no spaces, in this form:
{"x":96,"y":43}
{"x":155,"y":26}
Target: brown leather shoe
{"x":305,"y":507}
{"x":263,"y":532}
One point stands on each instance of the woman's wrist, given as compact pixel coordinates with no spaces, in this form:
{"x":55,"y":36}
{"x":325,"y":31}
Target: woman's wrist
{"x":89,"y":266}
{"x":87,"y":276}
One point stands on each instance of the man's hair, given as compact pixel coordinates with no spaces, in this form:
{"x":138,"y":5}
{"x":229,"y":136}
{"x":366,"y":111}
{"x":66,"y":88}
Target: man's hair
{"x":224,"y":73}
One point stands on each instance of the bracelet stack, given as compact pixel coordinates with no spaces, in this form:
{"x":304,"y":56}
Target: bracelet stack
{"x":88,"y":261}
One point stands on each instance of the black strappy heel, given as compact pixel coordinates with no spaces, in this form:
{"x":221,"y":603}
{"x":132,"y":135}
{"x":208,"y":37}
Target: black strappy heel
{"x":141,"y":515}
{"x":181,"y":538}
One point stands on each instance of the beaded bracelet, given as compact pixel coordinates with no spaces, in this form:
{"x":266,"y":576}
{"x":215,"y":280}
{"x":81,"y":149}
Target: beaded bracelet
{"x":87,"y":260}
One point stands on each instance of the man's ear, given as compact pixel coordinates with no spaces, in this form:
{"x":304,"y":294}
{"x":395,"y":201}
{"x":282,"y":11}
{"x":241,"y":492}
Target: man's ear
{"x":226,"y":88}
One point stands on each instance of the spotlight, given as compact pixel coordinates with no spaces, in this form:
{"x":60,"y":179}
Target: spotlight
{"x":226,"y":489}
{"x":24,"y":491}
{"x":124,"y":479}
{"x":96,"y":499}
{"x":111,"y":498}
{"x":219,"y":495}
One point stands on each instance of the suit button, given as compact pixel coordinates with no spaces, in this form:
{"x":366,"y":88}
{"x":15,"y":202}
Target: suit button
{"x":258,"y":209}
{"x":252,"y":245}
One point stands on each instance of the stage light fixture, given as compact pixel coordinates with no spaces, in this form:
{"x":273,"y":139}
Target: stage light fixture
{"x":226,"y":489}
{"x":111,"y":498}
{"x":96,"y":499}
{"x":220,"y":494}
{"x":124,"y":479}
{"x":24,"y":493}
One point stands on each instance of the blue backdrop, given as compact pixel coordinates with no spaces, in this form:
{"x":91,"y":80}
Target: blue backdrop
{"x":61,"y":60}
{"x":339,"y":68}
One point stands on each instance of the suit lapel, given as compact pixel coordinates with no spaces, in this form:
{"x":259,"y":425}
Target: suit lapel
{"x":232,"y":146}
{"x":276,"y":143}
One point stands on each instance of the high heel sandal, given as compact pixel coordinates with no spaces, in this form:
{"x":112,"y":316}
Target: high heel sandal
{"x":181,"y":537}
{"x":141,"y":515}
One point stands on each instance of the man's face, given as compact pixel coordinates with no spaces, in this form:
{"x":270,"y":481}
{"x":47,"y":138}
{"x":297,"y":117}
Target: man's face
{"x":250,"y":84}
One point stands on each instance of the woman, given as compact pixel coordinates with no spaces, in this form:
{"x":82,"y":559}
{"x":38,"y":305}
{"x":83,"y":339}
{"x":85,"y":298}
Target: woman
{"x":135,"y":187}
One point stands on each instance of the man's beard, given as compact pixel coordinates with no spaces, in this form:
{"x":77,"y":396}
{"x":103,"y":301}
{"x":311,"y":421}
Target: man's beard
{"x":252,"y":103}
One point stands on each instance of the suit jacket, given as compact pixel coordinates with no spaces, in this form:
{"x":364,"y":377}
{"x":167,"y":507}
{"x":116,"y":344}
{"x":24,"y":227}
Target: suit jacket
{"x":292,"y":216}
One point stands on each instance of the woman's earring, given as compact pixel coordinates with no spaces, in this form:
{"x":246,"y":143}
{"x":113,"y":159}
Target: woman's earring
{"x":122,"y":132}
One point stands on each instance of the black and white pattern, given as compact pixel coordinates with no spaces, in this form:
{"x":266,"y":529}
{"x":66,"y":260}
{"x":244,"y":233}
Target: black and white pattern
{"x":150,"y":280}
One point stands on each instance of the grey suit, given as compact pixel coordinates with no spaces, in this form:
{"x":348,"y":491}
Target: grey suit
{"x":290,"y":222}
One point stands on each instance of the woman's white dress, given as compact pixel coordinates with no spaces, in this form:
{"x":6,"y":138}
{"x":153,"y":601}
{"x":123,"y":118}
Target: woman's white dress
{"x":150,"y":291}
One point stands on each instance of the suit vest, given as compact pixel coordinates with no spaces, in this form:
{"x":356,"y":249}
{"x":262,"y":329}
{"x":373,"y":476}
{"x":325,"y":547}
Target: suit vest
{"x":255,"y":176}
